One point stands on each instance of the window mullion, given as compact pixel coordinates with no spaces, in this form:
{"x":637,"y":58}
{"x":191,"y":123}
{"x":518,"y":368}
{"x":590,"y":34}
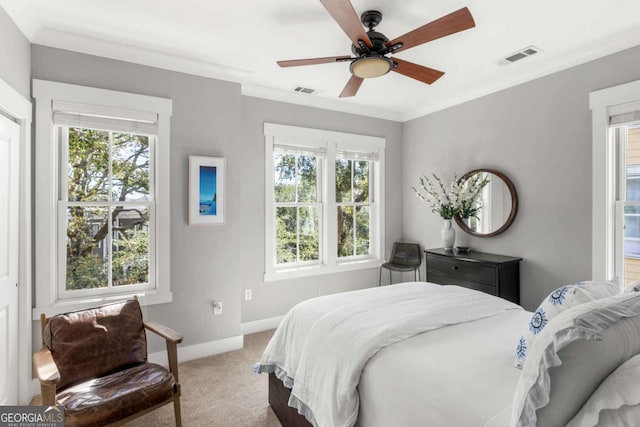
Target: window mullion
{"x":109,"y":216}
{"x":330,"y":207}
{"x":353,"y":205}
{"x":298,"y":233}
{"x":296,"y":174}
{"x":63,"y":133}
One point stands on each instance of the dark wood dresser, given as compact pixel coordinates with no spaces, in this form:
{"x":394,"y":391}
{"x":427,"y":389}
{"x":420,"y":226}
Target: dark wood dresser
{"x":494,"y":274}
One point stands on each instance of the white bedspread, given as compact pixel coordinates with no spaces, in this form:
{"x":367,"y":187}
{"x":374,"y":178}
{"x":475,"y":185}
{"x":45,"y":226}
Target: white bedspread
{"x":459,"y":375}
{"x":323,"y":344}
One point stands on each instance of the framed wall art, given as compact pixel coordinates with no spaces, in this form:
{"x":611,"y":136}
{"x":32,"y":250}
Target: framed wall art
{"x":206,"y":190}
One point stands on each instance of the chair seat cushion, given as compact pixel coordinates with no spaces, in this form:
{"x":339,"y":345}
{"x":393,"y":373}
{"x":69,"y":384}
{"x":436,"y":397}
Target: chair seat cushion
{"x":399,"y":267}
{"x":113,"y":397}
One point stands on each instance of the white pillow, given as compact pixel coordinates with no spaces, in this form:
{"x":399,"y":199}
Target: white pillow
{"x":555,"y":303}
{"x":569,"y":359}
{"x":616,"y":399}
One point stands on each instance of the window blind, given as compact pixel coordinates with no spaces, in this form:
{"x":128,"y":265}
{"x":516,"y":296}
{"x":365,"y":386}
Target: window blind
{"x":299,"y":149}
{"x":357,"y":155}
{"x":104,"y":118}
{"x":625,"y":118}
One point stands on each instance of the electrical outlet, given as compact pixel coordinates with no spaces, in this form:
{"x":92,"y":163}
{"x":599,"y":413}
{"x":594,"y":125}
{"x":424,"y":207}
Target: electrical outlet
{"x":248,"y":294}
{"x":217,"y":307}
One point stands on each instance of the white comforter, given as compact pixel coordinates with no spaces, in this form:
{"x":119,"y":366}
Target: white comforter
{"x":323,"y":344}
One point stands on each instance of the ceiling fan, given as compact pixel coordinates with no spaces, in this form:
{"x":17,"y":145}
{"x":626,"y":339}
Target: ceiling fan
{"x":371,"y":48}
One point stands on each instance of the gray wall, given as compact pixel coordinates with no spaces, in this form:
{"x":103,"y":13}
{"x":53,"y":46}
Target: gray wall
{"x":275,"y":298}
{"x":539,"y":135}
{"x":206,"y":121}
{"x":210,"y":117}
{"x":15,"y":56}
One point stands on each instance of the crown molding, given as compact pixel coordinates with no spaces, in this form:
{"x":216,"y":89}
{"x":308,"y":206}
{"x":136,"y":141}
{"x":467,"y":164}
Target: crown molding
{"x":317,"y":102}
{"x":529,"y":70}
{"x":137,"y":55}
{"x":123,"y":52}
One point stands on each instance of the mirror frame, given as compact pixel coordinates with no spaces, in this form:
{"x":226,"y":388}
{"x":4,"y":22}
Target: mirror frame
{"x":514,"y":204}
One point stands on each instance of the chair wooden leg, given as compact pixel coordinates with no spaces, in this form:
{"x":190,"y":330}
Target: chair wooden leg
{"x":390,"y":281}
{"x":380,"y":277}
{"x":176,"y":411}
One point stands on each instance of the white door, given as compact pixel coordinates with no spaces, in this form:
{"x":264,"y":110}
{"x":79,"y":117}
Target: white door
{"x":9,"y":225}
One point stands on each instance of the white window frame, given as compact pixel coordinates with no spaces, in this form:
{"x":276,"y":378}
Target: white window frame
{"x":320,"y":159}
{"x":99,"y":102}
{"x":330,"y":142}
{"x":605,"y":103}
{"x":354,"y":205}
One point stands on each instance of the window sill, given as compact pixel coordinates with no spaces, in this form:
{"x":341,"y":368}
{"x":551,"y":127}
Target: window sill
{"x":68,"y":305}
{"x":318,"y":270}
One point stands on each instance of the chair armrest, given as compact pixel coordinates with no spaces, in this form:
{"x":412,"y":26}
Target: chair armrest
{"x":48,"y":374}
{"x":173,"y":338}
{"x":45,"y":367}
{"x":164,"y":331}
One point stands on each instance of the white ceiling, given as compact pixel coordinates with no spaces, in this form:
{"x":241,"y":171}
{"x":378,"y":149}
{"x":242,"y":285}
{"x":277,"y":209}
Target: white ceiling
{"x":241,"y":41}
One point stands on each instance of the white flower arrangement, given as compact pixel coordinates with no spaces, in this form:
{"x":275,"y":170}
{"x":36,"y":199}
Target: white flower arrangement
{"x":469,"y":191}
{"x":456,"y":198}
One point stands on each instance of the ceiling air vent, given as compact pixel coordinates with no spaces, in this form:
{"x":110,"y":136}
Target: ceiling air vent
{"x":521,"y":54}
{"x":302,"y":89}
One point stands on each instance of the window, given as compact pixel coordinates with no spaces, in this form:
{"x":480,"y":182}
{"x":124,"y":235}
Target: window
{"x":106,"y":200}
{"x":102,"y":197}
{"x":626,"y":142}
{"x":353,"y":206}
{"x":615,"y":113}
{"x":297,"y":207}
{"x":324,"y":201}
{"x":632,"y":210}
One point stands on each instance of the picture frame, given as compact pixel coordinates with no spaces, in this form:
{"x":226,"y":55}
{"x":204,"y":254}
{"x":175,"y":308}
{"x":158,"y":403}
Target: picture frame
{"x":206,"y":190}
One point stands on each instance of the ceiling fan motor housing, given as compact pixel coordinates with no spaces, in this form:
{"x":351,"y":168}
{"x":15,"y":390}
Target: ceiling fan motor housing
{"x":371,"y":61}
{"x":378,"y":40}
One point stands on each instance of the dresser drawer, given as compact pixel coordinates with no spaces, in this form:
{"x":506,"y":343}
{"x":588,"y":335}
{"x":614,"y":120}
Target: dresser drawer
{"x":445,"y":279}
{"x":460,"y":269}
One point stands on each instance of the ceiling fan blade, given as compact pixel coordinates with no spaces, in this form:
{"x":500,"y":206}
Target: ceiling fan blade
{"x":312,"y":61}
{"x":352,"y":87}
{"x":419,"y":72}
{"x":452,"y":23}
{"x":345,"y":15}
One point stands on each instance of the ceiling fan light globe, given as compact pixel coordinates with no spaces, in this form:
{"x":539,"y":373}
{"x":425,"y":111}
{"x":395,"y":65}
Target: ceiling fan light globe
{"x":371,"y":67}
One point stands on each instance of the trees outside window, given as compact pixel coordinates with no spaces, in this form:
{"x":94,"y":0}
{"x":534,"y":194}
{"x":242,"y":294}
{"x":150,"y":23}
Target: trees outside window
{"x":297,"y":208}
{"x":353,"y":207}
{"x":102,"y":197}
{"x":107,"y":198}
{"x":324,"y":201}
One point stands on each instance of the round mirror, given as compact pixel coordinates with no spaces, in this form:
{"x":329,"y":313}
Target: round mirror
{"x":495,"y":207}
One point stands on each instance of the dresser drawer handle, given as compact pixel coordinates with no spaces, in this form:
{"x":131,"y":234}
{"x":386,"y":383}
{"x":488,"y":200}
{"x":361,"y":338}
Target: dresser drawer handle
{"x":454,"y":268}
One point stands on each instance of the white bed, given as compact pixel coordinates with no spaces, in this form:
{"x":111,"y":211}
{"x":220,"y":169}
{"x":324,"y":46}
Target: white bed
{"x":417,"y":354}
{"x":460,"y":375}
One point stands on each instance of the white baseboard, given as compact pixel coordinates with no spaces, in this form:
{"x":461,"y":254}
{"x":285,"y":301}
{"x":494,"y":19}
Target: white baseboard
{"x":260,"y":325}
{"x":197,"y":351}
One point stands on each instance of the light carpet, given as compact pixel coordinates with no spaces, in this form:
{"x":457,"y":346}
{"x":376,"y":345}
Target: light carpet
{"x":221,"y":390}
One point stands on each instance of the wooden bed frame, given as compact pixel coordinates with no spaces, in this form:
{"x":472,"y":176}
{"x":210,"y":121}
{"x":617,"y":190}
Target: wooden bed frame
{"x":279,"y":401}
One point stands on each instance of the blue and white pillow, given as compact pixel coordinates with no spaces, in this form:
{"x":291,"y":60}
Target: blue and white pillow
{"x":555,"y":303}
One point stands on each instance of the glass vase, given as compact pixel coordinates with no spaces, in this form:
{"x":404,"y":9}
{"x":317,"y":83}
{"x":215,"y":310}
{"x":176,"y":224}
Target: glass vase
{"x":448,"y":235}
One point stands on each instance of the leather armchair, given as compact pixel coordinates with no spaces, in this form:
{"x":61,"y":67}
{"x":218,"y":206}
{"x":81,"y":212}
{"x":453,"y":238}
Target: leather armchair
{"x":94,"y":363}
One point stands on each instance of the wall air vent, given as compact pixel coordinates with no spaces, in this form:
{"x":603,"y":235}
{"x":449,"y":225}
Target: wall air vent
{"x":302,"y":89}
{"x":521,"y":54}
